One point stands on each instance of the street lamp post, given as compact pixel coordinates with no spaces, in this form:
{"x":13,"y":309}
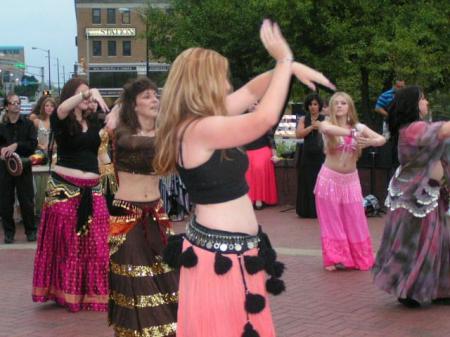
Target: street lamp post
{"x":57,"y":66}
{"x":48,"y":55}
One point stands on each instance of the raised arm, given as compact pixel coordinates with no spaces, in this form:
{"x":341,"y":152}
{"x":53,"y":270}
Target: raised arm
{"x":238,"y":101}
{"x":69,"y":104}
{"x":329,"y":129}
{"x":221,"y":132}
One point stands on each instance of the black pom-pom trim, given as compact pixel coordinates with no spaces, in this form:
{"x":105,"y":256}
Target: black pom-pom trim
{"x":271,"y":256}
{"x":275,"y":286}
{"x":172,"y":252}
{"x":249,"y":331}
{"x":188,"y":258}
{"x":222,"y":264}
{"x":276,"y":269}
{"x":254,"y":303}
{"x":253,"y":264}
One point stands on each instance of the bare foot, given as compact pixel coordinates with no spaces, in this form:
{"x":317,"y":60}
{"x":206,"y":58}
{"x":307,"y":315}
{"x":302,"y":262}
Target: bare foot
{"x":330,"y":268}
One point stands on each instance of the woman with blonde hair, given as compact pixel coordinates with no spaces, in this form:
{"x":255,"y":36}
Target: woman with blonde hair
{"x":42,"y":124}
{"x":200,"y":127}
{"x":346,"y":242}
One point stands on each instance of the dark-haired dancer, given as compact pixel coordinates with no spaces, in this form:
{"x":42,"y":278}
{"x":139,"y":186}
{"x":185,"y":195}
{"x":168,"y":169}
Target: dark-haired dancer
{"x":222,"y":283}
{"x":143,"y":289}
{"x":413,"y":262}
{"x":312,"y":156}
{"x":71,"y":262}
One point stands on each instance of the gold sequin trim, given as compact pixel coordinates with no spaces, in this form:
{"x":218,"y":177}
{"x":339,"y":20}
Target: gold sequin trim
{"x":56,"y":190}
{"x":157,"y":268}
{"x":104,"y":142}
{"x":145,"y":301}
{"x":154,"y":331}
{"x":115,"y":242}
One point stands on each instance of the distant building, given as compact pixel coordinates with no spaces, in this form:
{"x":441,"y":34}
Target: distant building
{"x":112,"y":45}
{"x":12,"y":66}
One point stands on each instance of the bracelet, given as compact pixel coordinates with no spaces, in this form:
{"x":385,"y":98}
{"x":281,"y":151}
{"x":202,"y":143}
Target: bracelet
{"x":286,"y":60}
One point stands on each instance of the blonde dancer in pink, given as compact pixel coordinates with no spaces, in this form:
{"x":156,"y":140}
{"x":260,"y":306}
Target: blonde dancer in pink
{"x":346,"y":242}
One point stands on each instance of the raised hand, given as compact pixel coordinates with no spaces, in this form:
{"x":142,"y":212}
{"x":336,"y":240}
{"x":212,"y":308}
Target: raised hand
{"x":309,"y":76}
{"x":97,"y":97}
{"x":274,"y":41}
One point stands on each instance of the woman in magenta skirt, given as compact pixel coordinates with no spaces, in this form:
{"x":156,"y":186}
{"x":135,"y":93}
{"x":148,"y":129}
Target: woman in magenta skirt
{"x":71,"y":262}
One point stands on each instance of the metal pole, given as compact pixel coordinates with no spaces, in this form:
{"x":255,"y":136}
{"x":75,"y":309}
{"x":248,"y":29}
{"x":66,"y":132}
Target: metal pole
{"x":64,"y":74}
{"x":42,"y":79}
{"x":49,"y":76}
{"x":57,"y":65}
{"x":147,"y":71}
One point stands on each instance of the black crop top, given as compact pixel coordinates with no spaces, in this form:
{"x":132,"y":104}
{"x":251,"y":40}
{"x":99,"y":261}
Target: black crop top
{"x":133,"y":154}
{"x":220,"y":179}
{"x":77,"y":151}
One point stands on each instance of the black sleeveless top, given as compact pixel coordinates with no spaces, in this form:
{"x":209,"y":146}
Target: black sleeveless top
{"x":313,"y":143}
{"x":221,"y":178}
{"x":78,"y":151}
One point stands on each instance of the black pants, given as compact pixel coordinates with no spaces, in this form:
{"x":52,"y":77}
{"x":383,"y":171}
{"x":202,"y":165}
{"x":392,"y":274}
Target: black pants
{"x":23,"y":184}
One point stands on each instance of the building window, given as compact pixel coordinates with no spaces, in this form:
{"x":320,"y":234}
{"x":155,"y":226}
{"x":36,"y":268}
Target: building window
{"x":112,"y":48}
{"x":126,"y":48}
{"x":111,"y":16}
{"x":126,"y":17}
{"x":96,"y":16}
{"x":96,"y":48}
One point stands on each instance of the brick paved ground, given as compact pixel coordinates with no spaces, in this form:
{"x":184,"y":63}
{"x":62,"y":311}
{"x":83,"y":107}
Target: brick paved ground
{"x":317,"y":303}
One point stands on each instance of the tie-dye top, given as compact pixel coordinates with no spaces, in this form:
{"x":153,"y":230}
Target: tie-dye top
{"x":419,"y":148}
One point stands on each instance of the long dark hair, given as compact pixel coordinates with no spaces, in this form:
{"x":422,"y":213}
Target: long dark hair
{"x":127,"y":117}
{"x":404,"y":108}
{"x":68,"y":91}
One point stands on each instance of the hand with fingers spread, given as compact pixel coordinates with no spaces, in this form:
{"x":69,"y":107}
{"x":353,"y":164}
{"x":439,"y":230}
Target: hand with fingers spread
{"x":94,"y":95}
{"x":309,"y":76}
{"x":274,"y":42}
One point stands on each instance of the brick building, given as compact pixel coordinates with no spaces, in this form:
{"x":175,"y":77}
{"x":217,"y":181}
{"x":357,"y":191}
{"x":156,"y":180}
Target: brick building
{"x":111,"y":41}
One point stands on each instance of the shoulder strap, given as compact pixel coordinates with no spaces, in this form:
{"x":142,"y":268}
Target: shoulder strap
{"x":180,"y":147}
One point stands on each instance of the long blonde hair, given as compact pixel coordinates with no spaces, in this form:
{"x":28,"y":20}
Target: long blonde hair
{"x":352,"y":116}
{"x":196,"y":87}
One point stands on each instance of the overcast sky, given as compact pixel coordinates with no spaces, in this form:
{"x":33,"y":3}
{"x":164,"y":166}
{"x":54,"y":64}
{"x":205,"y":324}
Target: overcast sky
{"x":47,"y":24}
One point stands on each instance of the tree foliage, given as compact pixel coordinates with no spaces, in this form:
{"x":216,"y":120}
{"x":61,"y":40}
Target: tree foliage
{"x":362,"y":45}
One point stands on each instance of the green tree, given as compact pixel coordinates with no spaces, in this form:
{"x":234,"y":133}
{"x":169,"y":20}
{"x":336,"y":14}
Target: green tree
{"x":362,"y":45}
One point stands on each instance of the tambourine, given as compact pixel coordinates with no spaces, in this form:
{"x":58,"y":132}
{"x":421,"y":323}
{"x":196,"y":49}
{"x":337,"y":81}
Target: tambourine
{"x":15,"y":164}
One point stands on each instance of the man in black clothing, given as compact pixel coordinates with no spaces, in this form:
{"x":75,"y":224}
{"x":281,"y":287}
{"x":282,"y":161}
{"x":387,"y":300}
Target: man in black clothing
{"x":17,"y":134}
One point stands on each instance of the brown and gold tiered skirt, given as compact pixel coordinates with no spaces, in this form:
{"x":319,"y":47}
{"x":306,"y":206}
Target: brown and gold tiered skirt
{"x":143,"y":289}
